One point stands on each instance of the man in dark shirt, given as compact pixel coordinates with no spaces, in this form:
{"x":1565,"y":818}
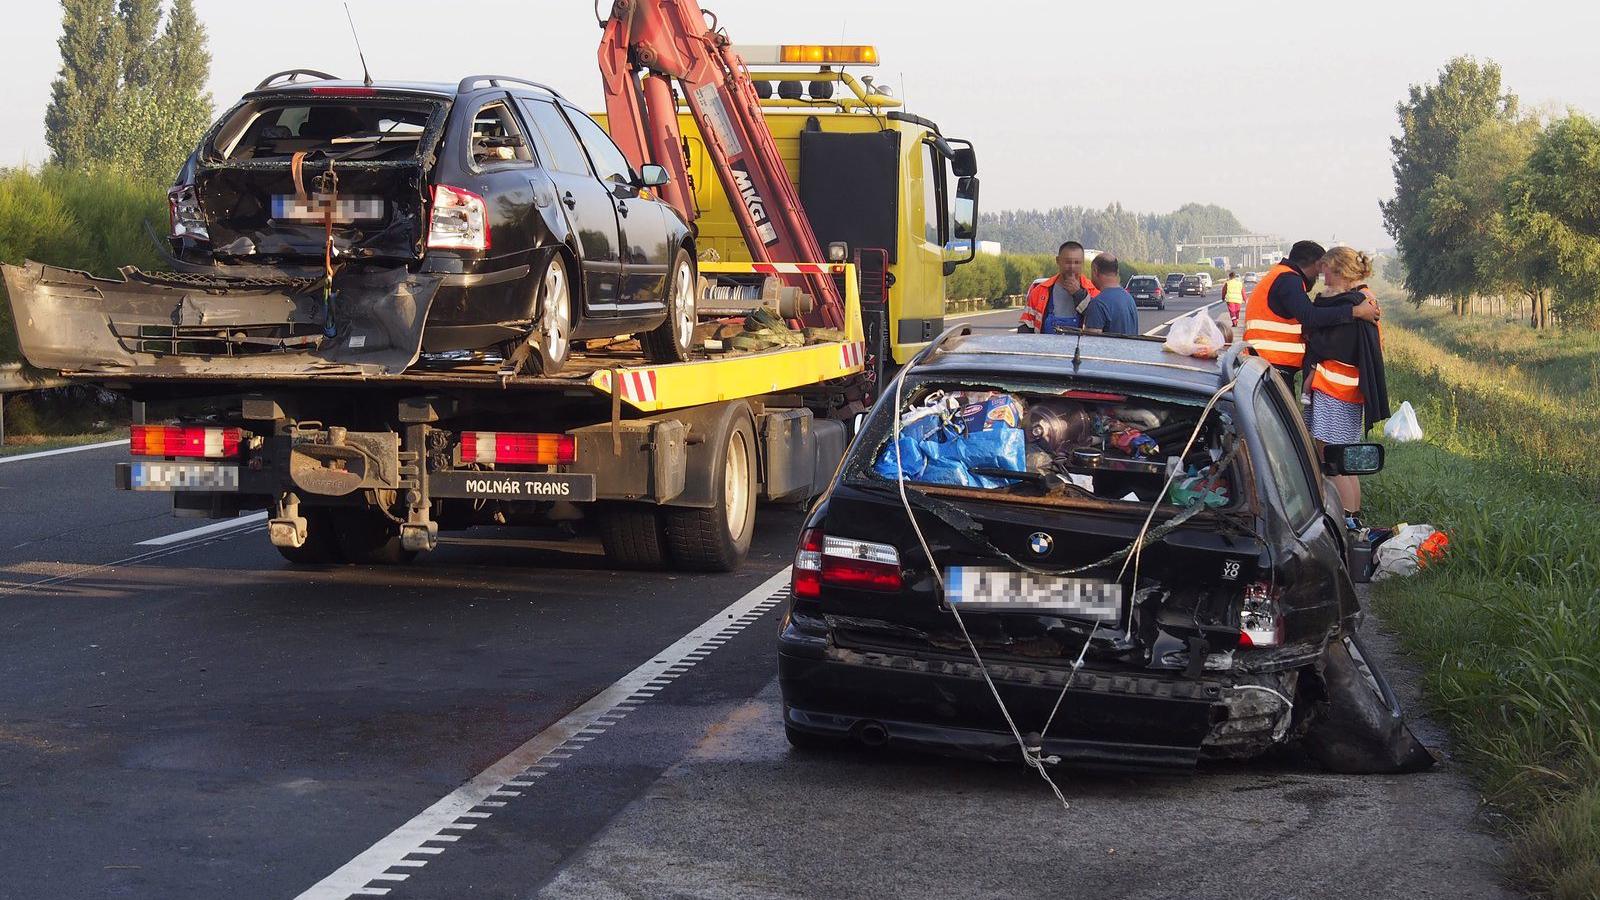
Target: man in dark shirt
{"x":1280,"y":308}
{"x":1112,"y":311}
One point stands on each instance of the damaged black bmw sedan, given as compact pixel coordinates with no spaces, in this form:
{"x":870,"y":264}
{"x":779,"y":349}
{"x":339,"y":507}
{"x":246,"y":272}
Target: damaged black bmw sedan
{"x":1089,"y":551}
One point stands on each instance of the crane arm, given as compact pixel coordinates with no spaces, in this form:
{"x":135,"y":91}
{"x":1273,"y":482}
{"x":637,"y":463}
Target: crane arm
{"x":647,"y":45}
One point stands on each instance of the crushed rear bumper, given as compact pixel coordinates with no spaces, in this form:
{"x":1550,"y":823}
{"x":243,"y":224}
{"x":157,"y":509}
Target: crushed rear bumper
{"x":210,"y":326}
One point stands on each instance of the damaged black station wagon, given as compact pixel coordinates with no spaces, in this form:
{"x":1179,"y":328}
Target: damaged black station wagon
{"x":1137,"y":550}
{"x":361,"y":228}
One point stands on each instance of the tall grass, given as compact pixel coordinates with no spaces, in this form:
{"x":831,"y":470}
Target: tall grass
{"x":79,"y":220}
{"x":1509,"y":624}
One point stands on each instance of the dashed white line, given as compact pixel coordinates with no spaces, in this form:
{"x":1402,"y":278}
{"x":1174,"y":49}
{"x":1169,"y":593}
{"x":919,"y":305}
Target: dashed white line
{"x":203,"y":530}
{"x":57,"y":452}
{"x":538,"y":755}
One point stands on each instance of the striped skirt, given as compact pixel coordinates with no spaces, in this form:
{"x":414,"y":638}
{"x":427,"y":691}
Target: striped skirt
{"x":1334,"y":421}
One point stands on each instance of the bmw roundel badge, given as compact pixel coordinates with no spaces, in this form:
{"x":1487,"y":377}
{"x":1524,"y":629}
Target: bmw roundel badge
{"x":1040,"y":543}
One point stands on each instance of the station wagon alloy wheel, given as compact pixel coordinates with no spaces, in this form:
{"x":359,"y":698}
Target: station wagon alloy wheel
{"x":555,"y":316}
{"x":673,"y":339}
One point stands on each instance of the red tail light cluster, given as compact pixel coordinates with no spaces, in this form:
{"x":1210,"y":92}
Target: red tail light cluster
{"x":1260,"y":620}
{"x":175,"y":440}
{"x":459,"y":220}
{"x":841,"y":562}
{"x":511,"y":449}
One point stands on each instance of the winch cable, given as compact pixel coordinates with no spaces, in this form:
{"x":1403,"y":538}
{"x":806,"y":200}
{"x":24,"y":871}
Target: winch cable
{"x":1031,"y":756}
{"x":327,"y":196}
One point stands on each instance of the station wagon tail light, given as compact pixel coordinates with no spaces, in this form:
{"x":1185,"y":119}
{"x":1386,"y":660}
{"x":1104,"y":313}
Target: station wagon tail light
{"x":841,"y":562}
{"x":183,"y":212}
{"x":512,"y":449}
{"x":173,"y":440}
{"x":459,"y":220}
{"x":1260,"y":619}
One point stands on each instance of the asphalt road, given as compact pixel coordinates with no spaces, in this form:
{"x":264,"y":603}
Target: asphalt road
{"x":195,"y":719}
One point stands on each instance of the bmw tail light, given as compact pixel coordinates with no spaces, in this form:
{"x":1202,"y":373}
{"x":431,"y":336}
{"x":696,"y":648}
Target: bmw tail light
{"x":1260,"y":619}
{"x":823,"y":559}
{"x":173,"y":440}
{"x":459,"y":220}
{"x":514,"y":449}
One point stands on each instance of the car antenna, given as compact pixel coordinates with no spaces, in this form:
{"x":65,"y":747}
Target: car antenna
{"x":366,"y":76}
{"x":1077,"y":348}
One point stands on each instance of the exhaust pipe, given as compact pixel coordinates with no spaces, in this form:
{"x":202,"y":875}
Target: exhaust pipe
{"x":872,"y":734}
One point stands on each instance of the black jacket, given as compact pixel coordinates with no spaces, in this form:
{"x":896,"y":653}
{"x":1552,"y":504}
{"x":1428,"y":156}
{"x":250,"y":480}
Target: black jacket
{"x":1355,"y":343}
{"x":1287,"y":297}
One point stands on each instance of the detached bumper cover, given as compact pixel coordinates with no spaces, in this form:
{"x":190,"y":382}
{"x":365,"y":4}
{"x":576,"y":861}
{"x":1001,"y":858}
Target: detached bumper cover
{"x":207,"y":326}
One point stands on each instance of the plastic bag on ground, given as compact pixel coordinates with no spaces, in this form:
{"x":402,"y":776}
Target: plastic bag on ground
{"x":1403,"y":425}
{"x":1194,"y":335}
{"x":1407,"y":551}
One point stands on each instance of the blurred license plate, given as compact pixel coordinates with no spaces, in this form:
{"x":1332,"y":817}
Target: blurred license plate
{"x":345,"y":209}
{"x":177,"y":476}
{"x":992,"y":588}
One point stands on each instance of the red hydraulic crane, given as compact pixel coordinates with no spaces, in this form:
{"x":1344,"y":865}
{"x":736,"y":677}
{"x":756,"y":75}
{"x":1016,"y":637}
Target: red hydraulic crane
{"x":647,"y":44}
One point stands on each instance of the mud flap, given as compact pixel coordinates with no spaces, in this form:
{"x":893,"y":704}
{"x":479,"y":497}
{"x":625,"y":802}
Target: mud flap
{"x":208,"y":326}
{"x":1359,"y":729}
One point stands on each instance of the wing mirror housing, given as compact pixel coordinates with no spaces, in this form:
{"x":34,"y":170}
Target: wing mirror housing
{"x":963,"y":162}
{"x":653,"y":176}
{"x":1352,"y":459}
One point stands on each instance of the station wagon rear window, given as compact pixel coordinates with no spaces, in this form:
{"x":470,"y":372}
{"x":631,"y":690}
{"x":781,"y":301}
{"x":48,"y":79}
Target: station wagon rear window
{"x":1060,"y":443}
{"x":355,"y":129}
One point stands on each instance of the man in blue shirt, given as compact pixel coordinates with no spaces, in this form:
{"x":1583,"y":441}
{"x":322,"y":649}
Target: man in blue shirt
{"x":1112,"y":311}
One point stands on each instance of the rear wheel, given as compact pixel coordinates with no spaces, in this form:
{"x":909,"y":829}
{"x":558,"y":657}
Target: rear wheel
{"x":632,"y":535}
{"x":368,"y":537}
{"x":321,"y":546}
{"x":672,"y":340}
{"x":716,"y":539}
{"x":555,"y":316}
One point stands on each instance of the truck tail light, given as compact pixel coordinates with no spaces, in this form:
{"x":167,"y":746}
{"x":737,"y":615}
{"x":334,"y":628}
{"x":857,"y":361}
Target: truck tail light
{"x":1260,"y":619}
{"x":183,"y":212}
{"x":512,"y":449}
{"x":459,"y":220}
{"x":174,"y":440}
{"x":841,"y":562}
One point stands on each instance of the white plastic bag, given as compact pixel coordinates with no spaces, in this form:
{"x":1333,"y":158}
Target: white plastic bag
{"x":1403,"y":425}
{"x":1398,"y":555}
{"x":1194,"y":335}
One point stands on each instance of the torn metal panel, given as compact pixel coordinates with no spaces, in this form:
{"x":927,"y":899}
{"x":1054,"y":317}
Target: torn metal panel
{"x":202,"y":325}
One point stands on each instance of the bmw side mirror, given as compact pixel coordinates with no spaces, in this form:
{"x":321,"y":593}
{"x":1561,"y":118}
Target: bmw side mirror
{"x":653,"y":176}
{"x":1352,"y":459}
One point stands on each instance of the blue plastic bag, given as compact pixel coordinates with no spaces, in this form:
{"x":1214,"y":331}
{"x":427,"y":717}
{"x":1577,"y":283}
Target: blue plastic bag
{"x":939,"y":450}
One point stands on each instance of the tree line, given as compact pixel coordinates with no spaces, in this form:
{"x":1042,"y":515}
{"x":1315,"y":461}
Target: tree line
{"x":130,"y":97}
{"x":1494,"y":203}
{"x":1128,"y":234}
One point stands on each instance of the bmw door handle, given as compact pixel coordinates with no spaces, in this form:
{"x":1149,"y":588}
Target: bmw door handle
{"x":569,"y":200}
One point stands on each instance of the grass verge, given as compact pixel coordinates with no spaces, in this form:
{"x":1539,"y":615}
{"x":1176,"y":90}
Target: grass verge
{"x":18,"y":445}
{"x":1509,"y":625}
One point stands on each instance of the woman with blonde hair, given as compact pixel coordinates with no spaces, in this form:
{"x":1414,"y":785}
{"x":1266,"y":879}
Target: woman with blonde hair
{"x":1344,"y":368}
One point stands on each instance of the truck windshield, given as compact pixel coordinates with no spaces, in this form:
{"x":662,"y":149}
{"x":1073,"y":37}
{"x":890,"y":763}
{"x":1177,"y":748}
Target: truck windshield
{"x":357,"y":129}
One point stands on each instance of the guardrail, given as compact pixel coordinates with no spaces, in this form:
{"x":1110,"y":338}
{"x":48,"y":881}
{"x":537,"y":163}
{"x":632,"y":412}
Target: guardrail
{"x":14,"y":379}
{"x":981,"y":304}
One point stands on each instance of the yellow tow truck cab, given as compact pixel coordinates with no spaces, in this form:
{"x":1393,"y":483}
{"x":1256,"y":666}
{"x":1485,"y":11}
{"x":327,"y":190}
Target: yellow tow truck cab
{"x":888,"y":185}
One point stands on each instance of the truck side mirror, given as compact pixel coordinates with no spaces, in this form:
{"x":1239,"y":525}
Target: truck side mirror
{"x":963,"y":162}
{"x":1352,"y":459}
{"x":652,"y":175}
{"x":963,"y":224}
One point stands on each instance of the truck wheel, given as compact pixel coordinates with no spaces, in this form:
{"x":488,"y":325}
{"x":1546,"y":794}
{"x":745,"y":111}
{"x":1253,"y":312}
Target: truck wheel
{"x":632,"y":535}
{"x":672,"y":340}
{"x":716,"y":539}
{"x":368,"y":538}
{"x":555,"y":316}
{"x":322,"y":545}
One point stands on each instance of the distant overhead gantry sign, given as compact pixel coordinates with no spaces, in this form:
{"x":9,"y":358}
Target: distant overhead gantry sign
{"x":1257,"y":248}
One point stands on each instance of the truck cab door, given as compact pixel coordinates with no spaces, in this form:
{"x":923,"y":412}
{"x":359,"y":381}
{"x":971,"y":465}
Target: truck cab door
{"x":646,"y":253}
{"x":586,"y":203}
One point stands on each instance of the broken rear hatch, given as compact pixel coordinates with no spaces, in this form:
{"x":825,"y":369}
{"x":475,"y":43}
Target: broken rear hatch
{"x":255,"y":301}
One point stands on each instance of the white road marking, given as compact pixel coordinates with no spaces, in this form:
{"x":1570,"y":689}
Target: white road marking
{"x":203,"y":530}
{"x":1152,"y":332}
{"x":352,"y":878}
{"x":60,"y":450}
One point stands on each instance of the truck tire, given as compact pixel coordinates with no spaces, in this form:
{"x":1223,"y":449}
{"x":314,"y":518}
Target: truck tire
{"x":717,"y":538}
{"x":632,"y":535}
{"x":673,"y":339}
{"x":322,"y":545}
{"x":367,"y":537}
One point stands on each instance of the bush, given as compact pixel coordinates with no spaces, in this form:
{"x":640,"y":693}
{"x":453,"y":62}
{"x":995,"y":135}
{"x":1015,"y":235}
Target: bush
{"x":84,"y":221}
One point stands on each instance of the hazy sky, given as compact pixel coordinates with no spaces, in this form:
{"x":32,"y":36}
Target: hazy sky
{"x":1279,"y":111}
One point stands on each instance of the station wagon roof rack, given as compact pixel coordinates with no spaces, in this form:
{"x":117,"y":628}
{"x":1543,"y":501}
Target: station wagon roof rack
{"x":471,"y":81}
{"x":291,"y":73}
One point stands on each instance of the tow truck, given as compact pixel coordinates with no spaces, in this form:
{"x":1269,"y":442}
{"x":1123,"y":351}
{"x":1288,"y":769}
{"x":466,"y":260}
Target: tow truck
{"x":666,"y":463}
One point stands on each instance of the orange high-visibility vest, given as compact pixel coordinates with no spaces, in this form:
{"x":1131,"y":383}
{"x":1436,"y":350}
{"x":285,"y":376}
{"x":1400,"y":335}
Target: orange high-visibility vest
{"x":1036,"y":307}
{"x":1339,"y":380}
{"x":1275,"y":338}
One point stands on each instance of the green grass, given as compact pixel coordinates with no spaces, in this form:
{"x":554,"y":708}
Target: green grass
{"x":17,"y":445}
{"x":1509,"y":625}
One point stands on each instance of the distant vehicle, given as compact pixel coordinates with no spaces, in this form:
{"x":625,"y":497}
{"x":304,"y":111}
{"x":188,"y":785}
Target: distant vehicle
{"x":1205,"y":279}
{"x":1251,"y":279}
{"x":1192,"y":286}
{"x":1174,"y":282}
{"x":1146,"y":291}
